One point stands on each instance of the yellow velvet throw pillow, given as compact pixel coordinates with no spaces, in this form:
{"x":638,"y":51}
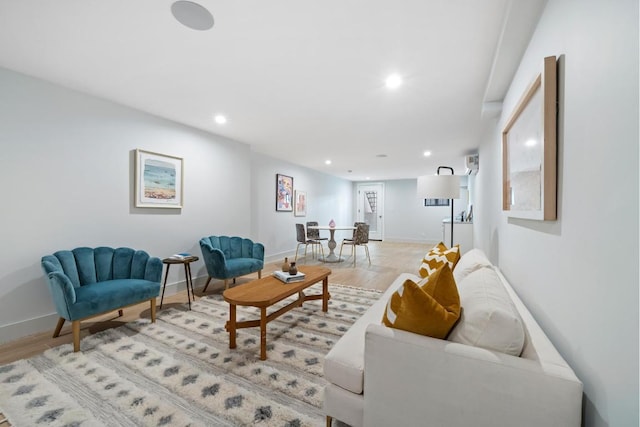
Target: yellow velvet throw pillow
{"x":430,"y":310}
{"x":438,"y":256}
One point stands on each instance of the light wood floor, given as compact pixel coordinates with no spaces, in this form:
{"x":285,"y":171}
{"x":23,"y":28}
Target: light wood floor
{"x":388,"y":260}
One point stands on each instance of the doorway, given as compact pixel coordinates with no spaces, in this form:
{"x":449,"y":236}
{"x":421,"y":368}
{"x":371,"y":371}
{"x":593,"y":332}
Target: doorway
{"x":370,"y":207}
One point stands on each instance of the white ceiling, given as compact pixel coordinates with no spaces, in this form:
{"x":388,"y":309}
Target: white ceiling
{"x":298,"y":80}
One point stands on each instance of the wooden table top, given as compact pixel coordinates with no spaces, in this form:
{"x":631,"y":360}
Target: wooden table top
{"x":269,"y":290}
{"x":335,"y":227}
{"x":184,"y":260}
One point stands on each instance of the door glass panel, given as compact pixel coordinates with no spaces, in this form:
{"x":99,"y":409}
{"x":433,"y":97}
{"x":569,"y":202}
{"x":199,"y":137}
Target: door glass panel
{"x":370,"y":208}
{"x":370,"y":205}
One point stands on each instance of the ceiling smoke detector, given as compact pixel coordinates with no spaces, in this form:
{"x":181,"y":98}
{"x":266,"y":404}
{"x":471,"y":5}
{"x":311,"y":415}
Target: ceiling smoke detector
{"x":192,"y":15}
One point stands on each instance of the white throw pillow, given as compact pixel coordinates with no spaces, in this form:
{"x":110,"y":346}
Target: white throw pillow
{"x":470,"y":262}
{"x":489,"y":318}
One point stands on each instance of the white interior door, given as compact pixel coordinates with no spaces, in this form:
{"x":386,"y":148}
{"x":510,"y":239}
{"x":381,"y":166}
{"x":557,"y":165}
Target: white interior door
{"x":370,"y":208}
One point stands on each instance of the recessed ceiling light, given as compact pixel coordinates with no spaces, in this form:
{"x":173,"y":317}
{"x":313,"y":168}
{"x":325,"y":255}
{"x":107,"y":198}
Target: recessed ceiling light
{"x":220,"y":119}
{"x":530,"y":143}
{"x":192,"y":15}
{"x":393,"y":81}
{"x":381,"y":155}
{"x":426,"y":153}
{"x":327,"y":162}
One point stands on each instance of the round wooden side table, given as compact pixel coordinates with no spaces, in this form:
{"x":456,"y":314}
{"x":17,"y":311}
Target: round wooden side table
{"x":186,"y":261}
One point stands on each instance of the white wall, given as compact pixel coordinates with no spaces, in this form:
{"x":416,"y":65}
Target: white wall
{"x":407,"y":219}
{"x":328,"y":198}
{"x":579,"y":275}
{"x":67,"y":166}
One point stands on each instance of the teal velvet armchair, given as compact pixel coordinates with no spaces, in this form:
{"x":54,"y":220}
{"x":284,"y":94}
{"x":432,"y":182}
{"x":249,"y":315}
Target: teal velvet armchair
{"x":230,"y":257}
{"x":87,"y":282}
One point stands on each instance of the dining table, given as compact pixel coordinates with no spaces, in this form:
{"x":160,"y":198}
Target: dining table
{"x":332,"y":257}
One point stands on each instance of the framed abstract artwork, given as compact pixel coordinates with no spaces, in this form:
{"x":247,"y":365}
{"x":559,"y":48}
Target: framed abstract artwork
{"x":300,"y":206}
{"x":158,"y":180}
{"x":284,"y":193}
{"x":529,"y":150}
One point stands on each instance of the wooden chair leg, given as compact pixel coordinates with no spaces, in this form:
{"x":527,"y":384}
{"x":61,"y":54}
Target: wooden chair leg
{"x":56,"y":333}
{"x":207,"y":284}
{"x":226,"y":283}
{"x":329,"y":420}
{"x":354,"y":254}
{"x":153,"y":310}
{"x":75,"y":326}
{"x":121,"y":312}
{"x":259,"y":274}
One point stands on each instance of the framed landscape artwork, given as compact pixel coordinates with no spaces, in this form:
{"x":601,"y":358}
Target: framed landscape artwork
{"x":284,"y":193}
{"x":300,"y":207}
{"x":158,"y":180}
{"x":529,"y":150}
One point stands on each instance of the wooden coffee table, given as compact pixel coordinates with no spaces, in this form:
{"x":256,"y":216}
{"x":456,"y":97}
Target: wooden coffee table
{"x":265,"y":292}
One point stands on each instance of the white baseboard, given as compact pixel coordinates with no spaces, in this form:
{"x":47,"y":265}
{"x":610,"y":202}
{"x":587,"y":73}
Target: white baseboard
{"x":28,"y":327}
{"x":405,"y":240}
{"x":47,"y":322}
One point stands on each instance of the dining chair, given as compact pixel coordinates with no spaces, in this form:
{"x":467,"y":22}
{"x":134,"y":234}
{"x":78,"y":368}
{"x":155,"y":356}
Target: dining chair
{"x":302,"y":240}
{"x":355,"y":224}
{"x":314,"y":234}
{"x":360,"y":238}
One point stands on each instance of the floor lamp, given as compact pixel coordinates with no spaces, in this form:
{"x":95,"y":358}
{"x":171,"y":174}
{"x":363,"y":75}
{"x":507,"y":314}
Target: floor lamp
{"x":440,"y":187}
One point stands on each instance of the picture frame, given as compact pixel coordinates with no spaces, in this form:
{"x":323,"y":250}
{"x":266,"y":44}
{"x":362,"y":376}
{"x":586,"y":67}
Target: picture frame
{"x":529,"y":150}
{"x":284,"y":193}
{"x":158,"y":180}
{"x":436,"y":202}
{"x":300,"y":206}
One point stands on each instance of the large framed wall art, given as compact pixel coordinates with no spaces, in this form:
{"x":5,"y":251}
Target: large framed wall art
{"x":529,"y":150}
{"x":284,"y":193}
{"x":158,"y":180}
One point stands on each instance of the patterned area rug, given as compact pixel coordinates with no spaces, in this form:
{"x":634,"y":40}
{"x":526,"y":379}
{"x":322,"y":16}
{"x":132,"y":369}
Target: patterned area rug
{"x":180,"y":371}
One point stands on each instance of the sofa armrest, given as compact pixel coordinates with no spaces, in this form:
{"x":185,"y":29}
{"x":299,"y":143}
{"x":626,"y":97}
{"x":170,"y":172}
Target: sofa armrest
{"x":258,"y":251}
{"x":214,"y":260}
{"x":153,"y":270}
{"x":411,"y":379}
{"x":62,"y":291}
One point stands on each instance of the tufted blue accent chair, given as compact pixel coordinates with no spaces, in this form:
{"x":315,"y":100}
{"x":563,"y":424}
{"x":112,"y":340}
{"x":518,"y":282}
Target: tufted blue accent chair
{"x":86,"y":282}
{"x":230,"y":257}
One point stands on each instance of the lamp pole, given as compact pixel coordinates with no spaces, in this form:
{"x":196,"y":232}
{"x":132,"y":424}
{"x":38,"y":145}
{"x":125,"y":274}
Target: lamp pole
{"x":452,"y":173}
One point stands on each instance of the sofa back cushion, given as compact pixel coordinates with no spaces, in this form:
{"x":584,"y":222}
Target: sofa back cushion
{"x":84,"y":266}
{"x":233,"y":247}
{"x":470,"y":262}
{"x":489,"y":318}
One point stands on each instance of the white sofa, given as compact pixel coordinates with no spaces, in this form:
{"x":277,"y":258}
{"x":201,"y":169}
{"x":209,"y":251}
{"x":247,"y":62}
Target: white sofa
{"x":379,"y":376}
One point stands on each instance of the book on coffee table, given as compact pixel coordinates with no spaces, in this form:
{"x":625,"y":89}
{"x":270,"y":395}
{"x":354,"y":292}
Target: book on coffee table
{"x":289,"y":278}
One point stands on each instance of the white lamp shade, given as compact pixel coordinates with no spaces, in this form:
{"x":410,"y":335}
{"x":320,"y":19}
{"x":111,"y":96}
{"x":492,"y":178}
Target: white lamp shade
{"x":438,"y":187}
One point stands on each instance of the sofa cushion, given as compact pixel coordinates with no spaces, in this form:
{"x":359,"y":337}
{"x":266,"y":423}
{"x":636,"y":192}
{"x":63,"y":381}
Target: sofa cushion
{"x":489,"y":319}
{"x":470,"y":262}
{"x":438,"y":256}
{"x":109,"y":295}
{"x":430,"y":310}
{"x":344,"y":364}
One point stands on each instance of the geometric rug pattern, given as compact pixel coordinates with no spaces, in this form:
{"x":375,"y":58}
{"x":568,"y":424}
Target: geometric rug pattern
{"x":180,"y":371}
